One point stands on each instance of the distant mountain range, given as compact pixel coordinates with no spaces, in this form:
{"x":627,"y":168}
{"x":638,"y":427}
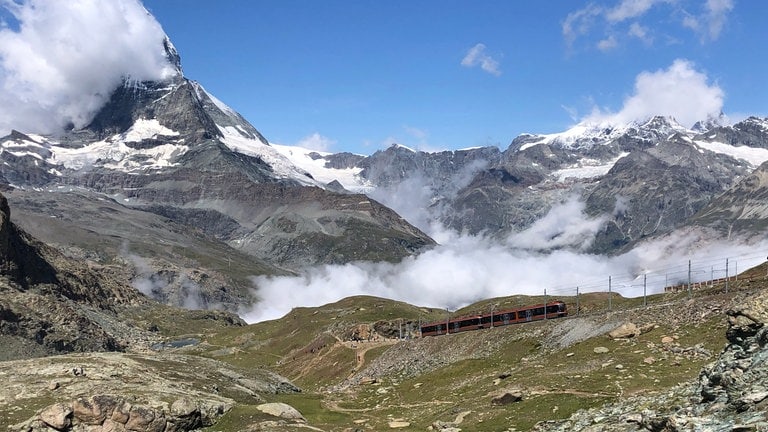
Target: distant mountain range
{"x":642,"y":180}
{"x":177,"y":186}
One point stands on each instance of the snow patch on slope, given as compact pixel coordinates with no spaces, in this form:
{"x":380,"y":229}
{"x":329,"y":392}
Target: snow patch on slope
{"x":114,"y":154}
{"x":281,"y":165}
{"x":586,"y":168}
{"x":577,"y":136}
{"x":200,"y":90}
{"x":313,"y":162}
{"x":751,"y":155}
{"x":147,"y":129}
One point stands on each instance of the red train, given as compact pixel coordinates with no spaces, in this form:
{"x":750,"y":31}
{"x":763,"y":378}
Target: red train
{"x":555,"y":309}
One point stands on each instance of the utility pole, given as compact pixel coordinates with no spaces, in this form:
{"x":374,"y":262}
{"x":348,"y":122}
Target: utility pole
{"x":689,"y":279}
{"x":420,"y":335}
{"x":610,"y":306}
{"x":577,"y":301}
{"x":726,"y":275}
{"x":645,"y":298}
{"x":493,"y":306}
{"x":545,"y":303}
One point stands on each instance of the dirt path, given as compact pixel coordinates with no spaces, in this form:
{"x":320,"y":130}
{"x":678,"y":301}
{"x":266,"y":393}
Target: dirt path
{"x":360,"y":349}
{"x":363,"y":347}
{"x":333,"y":405}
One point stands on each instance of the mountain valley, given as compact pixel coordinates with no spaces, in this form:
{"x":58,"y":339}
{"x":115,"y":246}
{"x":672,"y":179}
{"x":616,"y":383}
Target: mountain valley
{"x":134,"y":248}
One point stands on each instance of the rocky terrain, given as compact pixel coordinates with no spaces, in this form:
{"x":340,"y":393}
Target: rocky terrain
{"x":128,"y":363}
{"x":83,"y":350}
{"x":731,"y":393}
{"x":357,"y":373}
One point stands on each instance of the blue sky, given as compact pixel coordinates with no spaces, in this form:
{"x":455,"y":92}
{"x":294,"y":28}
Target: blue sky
{"x":358,"y":75}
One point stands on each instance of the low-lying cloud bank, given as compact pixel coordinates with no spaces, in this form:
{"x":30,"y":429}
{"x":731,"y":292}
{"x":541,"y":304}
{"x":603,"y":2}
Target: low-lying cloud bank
{"x":465,"y":269}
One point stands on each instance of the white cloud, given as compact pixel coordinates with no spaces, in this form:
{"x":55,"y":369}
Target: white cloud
{"x":710,"y":23}
{"x":607,"y":44}
{"x":679,"y":91}
{"x":638,"y":19}
{"x":638,"y":31}
{"x":66,"y":58}
{"x":630,"y":9}
{"x":565,"y":225}
{"x":470,"y":268}
{"x":476,"y":56}
{"x":417,"y":133}
{"x":316,"y":142}
{"x":717,"y":13}
{"x":579,"y":23}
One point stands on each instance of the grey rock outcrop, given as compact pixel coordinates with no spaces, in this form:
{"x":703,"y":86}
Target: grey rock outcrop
{"x":46,"y":299}
{"x":116,"y":413}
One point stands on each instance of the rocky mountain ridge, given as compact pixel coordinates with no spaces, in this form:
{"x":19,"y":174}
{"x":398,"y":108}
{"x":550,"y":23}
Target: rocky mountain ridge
{"x":646,"y":179}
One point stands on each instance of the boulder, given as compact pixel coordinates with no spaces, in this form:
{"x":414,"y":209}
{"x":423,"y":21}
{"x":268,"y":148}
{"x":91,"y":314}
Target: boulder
{"x":626,"y":330}
{"x":507,"y":397}
{"x":93,"y":410}
{"x":57,"y":416}
{"x":281,"y":410}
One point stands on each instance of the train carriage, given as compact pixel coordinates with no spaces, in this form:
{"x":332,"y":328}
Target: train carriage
{"x":555,"y":309}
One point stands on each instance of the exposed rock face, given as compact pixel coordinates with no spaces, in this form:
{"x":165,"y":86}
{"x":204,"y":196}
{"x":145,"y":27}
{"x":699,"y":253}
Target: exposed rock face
{"x":732,"y":393}
{"x":46,"y":299}
{"x":742,"y":210}
{"x":738,"y":381}
{"x":280,"y":223}
{"x":117,"y":413}
{"x":655,"y":191}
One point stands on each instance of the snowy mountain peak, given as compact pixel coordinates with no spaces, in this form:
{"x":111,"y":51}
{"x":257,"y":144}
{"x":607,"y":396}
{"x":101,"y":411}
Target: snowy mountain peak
{"x":710,"y":123}
{"x":761,"y":123}
{"x":660,"y":123}
{"x":587,"y":134}
{"x":396,"y":146}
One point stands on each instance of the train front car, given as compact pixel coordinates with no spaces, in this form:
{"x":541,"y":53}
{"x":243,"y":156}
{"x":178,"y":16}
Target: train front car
{"x":557,"y":309}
